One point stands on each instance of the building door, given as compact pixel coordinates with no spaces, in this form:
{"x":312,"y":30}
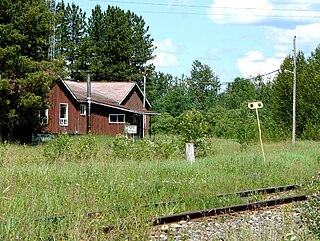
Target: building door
{"x":137,"y":120}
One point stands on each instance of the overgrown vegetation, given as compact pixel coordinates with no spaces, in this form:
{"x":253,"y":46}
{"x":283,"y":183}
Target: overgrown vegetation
{"x":52,"y":192}
{"x":311,"y":209}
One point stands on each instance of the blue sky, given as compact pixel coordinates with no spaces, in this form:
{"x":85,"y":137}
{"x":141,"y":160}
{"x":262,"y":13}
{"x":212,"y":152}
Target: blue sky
{"x":236,"y":38}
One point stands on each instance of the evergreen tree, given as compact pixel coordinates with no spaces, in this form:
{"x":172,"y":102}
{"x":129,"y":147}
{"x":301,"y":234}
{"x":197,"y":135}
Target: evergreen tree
{"x":70,"y":33}
{"x":203,"y":84}
{"x":119,"y":45}
{"x":25,"y":73}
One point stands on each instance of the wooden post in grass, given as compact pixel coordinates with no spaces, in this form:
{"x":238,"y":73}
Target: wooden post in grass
{"x":190,"y":152}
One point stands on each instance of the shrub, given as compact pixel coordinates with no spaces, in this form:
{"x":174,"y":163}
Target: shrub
{"x":164,"y":124}
{"x":246,"y":127}
{"x":192,"y":125}
{"x":58,"y":149}
{"x":203,"y":147}
{"x":163,"y":148}
{"x":311,"y":132}
{"x":86,"y":147}
{"x":168,"y":147}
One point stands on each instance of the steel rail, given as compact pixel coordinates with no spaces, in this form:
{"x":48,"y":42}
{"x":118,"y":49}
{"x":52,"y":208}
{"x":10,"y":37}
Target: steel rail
{"x":266,"y":190}
{"x":245,"y":193}
{"x":226,"y":210}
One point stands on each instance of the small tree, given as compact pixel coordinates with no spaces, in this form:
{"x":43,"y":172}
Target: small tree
{"x":192,"y":126}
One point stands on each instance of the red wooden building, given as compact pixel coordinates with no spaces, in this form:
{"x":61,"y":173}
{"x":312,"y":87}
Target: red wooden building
{"x":105,"y":110}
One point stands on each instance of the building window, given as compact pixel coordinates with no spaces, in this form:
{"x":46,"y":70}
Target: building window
{"x":63,"y":114}
{"x":44,"y":116}
{"x":83,"y":109}
{"x":116,"y":118}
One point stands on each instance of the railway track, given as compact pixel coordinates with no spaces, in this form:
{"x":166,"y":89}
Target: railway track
{"x":202,"y":214}
{"x":235,"y":208}
{"x":261,"y":219}
{"x":227,"y":209}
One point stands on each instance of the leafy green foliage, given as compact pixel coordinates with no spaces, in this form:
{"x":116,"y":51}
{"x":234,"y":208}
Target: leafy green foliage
{"x":59,"y":149}
{"x":162,"y":148}
{"x":86,"y":148}
{"x":238,"y":92}
{"x":164,"y":124}
{"x":65,"y":148}
{"x":192,"y":125}
{"x":246,"y":126}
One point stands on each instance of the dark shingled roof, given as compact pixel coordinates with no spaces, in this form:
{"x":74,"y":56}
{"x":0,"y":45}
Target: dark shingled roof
{"x":106,"y":93}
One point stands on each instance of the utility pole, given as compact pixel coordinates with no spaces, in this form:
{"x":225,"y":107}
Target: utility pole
{"x":144,"y":105}
{"x":88,"y":102}
{"x":294,"y":92}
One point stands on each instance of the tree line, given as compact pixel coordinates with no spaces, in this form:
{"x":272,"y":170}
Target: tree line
{"x":226,"y":114}
{"x":44,"y":40}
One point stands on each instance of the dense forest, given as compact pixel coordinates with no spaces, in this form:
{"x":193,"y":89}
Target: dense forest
{"x":42,"y":41}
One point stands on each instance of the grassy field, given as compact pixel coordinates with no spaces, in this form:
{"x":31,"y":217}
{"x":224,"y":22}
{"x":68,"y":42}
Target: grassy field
{"x":48,"y":190}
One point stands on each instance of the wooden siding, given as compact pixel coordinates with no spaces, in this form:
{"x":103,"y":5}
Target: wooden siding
{"x":77,"y":124}
{"x":100,"y":121}
{"x":133,"y":101}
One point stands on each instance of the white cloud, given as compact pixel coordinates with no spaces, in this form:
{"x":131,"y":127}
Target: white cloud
{"x":281,"y":55}
{"x":165,"y":60}
{"x":307,"y":35}
{"x":165,"y":46}
{"x":165,"y":54}
{"x":254,"y":63}
{"x":268,"y":12}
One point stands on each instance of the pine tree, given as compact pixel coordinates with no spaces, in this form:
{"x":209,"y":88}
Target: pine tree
{"x":119,"y":45}
{"x":203,"y":82}
{"x":25,"y":73}
{"x":70,"y":34}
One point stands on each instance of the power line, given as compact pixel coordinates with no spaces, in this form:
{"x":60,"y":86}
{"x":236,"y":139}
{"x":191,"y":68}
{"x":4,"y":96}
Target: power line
{"x":262,"y":75}
{"x":210,"y":7}
{"x":232,"y":14}
{"x":217,"y":14}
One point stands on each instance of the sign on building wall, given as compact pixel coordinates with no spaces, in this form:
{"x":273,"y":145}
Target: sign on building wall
{"x":132,"y":129}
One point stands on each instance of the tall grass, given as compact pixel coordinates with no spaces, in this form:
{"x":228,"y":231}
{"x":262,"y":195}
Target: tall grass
{"x":48,"y":190}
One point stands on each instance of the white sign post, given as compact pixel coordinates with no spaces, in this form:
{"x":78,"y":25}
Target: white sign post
{"x":132,"y":129}
{"x":190,"y":152}
{"x":256,"y":106}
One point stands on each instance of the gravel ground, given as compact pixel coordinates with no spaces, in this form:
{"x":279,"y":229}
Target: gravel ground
{"x":278,"y":223}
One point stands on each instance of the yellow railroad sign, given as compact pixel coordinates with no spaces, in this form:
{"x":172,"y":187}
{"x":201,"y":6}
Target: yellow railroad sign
{"x":255,"y":105}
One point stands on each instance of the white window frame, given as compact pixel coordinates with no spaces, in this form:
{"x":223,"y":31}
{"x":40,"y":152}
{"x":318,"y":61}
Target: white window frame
{"x":63,"y":120}
{"x":117,"y":121}
{"x":83,"y":109}
{"x":44,"y":119}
